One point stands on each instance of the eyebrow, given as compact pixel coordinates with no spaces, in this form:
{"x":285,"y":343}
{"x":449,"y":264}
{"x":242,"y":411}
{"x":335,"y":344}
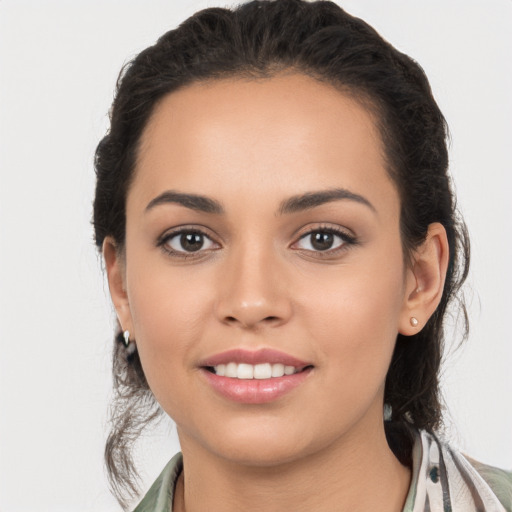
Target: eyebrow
{"x":312,"y":199}
{"x":291,"y":205}
{"x":191,"y":201}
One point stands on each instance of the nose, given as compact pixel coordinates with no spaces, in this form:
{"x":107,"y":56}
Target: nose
{"x":253,"y":292}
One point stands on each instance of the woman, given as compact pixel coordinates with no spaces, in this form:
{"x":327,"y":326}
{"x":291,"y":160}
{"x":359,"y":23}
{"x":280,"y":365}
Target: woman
{"x":281,"y":244}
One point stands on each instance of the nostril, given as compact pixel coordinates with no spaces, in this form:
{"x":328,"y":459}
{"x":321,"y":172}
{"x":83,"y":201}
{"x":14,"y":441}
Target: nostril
{"x":250,"y":323}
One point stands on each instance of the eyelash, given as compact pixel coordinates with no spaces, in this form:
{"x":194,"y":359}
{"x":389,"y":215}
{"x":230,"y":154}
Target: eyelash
{"x":348,"y":241}
{"x":167,"y":237}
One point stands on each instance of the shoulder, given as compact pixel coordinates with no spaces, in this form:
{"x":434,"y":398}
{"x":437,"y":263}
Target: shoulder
{"x":459,"y":478}
{"x":499,"y":480}
{"x":160,"y":495}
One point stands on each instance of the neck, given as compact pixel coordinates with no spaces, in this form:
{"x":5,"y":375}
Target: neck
{"x":338,"y":477}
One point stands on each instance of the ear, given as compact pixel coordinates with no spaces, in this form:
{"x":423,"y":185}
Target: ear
{"x":115,"y":266}
{"x":425,"y":280}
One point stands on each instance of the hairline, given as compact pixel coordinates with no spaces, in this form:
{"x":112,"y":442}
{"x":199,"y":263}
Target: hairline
{"x":364,"y":98}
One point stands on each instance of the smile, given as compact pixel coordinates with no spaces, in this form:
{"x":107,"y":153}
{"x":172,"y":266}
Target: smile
{"x":254,"y":371}
{"x":254,"y":377}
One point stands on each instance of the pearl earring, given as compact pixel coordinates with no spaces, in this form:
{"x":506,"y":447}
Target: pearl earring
{"x":129,"y":345}
{"x":414,"y":321}
{"x":126,"y":336}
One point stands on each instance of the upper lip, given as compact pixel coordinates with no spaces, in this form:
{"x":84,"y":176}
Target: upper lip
{"x":264,"y":355}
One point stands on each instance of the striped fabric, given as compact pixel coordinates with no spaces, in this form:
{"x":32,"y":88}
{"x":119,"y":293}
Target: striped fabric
{"x":443,"y":480}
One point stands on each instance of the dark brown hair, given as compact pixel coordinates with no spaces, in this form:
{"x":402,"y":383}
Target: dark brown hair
{"x":257,"y":40}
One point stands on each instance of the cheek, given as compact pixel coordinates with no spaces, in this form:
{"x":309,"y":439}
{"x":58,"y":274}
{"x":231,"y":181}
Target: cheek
{"x":170,"y":315}
{"x":354,"y":317}
{"x":354,"y":331}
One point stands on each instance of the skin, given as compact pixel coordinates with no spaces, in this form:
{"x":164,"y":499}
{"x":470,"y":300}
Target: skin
{"x":258,"y":282}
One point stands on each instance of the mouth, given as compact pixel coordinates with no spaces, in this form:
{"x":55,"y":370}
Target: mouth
{"x":261,"y":371}
{"x":254,"y":377}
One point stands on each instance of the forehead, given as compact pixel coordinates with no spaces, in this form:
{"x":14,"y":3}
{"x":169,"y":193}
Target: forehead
{"x":291,"y":131}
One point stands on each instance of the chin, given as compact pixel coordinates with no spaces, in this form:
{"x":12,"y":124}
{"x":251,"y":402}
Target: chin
{"x":266,"y":443}
{"x":261,"y":454}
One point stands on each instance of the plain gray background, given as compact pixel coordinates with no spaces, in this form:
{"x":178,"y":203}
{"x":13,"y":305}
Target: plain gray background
{"x":58,"y":64}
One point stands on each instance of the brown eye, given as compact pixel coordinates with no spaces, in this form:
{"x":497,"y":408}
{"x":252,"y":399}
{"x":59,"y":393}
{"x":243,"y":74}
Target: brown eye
{"x":189,"y":241}
{"x":323,"y":240}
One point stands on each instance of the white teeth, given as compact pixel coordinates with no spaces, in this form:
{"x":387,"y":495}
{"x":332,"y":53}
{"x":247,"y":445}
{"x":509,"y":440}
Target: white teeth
{"x":231,"y":370}
{"x":258,"y":371}
{"x":277,"y":370}
{"x":289,"y":370}
{"x":245,"y":371}
{"x":262,"y":371}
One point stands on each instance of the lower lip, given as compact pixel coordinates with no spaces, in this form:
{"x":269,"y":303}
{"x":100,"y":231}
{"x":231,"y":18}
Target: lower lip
{"x":255,"y":391}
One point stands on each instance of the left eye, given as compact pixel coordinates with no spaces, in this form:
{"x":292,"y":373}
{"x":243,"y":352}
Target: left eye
{"x":189,"y":241}
{"x":321,"y":241}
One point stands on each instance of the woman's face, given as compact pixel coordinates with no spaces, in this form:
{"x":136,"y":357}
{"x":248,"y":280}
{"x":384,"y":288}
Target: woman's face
{"x":262,"y":233}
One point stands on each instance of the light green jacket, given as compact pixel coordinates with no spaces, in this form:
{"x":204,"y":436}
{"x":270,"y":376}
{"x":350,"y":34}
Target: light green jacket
{"x":443,"y":480}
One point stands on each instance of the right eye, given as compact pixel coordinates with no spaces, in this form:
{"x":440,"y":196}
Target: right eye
{"x":187,"y":242}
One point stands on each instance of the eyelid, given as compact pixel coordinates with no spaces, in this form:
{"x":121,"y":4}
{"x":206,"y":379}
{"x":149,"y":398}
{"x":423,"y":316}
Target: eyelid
{"x":349,"y":239}
{"x":327,"y":227}
{"x":171,"y":233}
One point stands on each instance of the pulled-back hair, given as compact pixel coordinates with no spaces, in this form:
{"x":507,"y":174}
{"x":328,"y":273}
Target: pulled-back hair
{"x":260,"y":39}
